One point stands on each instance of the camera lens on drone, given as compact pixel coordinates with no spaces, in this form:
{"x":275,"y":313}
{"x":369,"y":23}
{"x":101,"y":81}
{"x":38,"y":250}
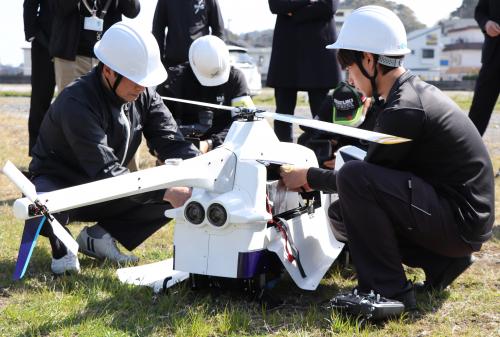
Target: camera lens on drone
{"x":194,"y":213}
{"x":217,"y":215}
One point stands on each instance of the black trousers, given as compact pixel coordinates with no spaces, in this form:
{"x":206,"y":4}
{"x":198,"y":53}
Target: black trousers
{"x":130,"y":220}
{"x":392,"y":217}
{"x":43,"y":84}
{"x":286,"y":99}
{"x":486,"y":93}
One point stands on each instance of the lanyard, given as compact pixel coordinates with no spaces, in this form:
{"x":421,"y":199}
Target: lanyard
{"x":93,"y":10}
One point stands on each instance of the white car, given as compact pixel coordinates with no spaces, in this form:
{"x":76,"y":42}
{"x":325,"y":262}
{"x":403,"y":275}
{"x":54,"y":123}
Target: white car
{"x":239,"y":58}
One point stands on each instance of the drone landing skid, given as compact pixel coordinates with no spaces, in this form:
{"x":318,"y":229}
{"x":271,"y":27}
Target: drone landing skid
{"x":159,"y":275}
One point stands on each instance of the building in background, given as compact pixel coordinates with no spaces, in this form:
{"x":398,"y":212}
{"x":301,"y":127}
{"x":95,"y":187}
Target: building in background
{"x":262,"y":56}
{"x":461,"y":54}
{"x":340,"y":15}
{"x":425,"y":58}
{"x":27,"y":61}
{"x":240,"y":59}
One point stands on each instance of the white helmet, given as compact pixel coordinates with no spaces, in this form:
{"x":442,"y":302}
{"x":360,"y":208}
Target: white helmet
{"x":373,"y":29}
{"x":209,"y":59}
{"x":133,"y":53}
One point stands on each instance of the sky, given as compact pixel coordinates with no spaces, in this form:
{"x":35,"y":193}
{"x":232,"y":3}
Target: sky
{"x":240,"y":16}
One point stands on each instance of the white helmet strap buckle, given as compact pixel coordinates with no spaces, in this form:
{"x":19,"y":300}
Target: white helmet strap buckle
{"x":390,"y":62}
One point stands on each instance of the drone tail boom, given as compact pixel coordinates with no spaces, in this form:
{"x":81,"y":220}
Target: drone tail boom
{"x":195,"y":172}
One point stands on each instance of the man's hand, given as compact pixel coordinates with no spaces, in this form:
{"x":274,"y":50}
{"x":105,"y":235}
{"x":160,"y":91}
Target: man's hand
{"x":294,"y":178}
{"x":329,"y":163}
{"x":492,"y":28}
{"x":177,"y":196}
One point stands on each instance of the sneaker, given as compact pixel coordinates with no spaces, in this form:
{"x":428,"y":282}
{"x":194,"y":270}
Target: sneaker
{"x":453,"y":270}
{"x":67,"y":263}
{"x":103,"y":248}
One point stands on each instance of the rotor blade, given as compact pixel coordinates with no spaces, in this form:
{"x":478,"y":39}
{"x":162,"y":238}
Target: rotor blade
{"x":371,"y":136}
{"x":20,"y":180}
{"x":64,"y":236}
{"x":209,"y":105}
{"x":28,"y":242}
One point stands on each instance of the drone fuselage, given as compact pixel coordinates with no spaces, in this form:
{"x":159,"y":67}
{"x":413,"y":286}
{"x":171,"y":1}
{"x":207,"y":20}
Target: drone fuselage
{"x":239,"y":247}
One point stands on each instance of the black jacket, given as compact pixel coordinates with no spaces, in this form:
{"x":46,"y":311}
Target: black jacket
{"x":299,"y":58}
{"x":489,"y":10}
{"x":69,"y":39}
{"x":186,"y":20}
{"x":82,"y":137}
{"x":182,"y":83}
{"x":37,"y":17}
{"x":446,"y":151}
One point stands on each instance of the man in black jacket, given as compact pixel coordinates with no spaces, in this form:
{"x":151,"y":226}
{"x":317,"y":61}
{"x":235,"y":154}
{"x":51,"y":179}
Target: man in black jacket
{"x":77,"y":26}
{"x":37,"y":26}
{"x":195,"y":80}
{"x":92,"y":131}
{"x":299,"y":60}
{"x":427,"y":203}
{"x":487,"y":15}
{"x":186,"y":21}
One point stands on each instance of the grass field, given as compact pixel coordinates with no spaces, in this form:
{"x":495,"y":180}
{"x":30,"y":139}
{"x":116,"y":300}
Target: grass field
{"x":95,"y":303}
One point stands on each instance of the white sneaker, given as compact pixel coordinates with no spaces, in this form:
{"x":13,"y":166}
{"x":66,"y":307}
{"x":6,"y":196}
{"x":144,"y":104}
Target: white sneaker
{"x":67,"y":263}
{"x":103,"y":248}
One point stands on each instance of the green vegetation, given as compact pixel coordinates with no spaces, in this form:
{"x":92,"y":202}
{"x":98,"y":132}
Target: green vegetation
{"x":95,"y":303}
{"x":13,"y":93}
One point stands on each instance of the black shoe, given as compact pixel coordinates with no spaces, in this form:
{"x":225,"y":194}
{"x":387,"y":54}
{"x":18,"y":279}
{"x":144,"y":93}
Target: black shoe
{"x":453,"y":270}
{"x":407,"y":297}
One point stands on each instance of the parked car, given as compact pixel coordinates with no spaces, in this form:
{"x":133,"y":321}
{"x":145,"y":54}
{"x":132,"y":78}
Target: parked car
{"x":239,"y":58}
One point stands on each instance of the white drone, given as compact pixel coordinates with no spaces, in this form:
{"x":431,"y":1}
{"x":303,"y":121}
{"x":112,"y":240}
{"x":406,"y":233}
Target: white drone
{"x":239,"y":220}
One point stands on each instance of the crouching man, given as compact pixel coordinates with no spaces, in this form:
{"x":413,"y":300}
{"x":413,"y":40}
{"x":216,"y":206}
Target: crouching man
{"x":92,"y":131}
{"x":427,"y":203}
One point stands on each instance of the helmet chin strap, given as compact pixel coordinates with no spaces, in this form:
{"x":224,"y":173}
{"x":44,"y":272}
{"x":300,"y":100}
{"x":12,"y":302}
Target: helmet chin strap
{"x":371,"y":78}
{"x":113,"y":87}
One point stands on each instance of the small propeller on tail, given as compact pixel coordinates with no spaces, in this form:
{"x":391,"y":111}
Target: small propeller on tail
{"x":31,"y":232}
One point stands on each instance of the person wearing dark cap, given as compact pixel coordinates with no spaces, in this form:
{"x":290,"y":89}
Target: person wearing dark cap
{"x":37,"y":17}
{"x":344,"y":106}
{"x":428,"y":202}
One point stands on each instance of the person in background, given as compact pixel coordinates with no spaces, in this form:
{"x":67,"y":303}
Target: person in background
{"x":299,"y":60}
{"x":77,"y":26}
{"x":487,"y":15}
{"x":428,"y":202}
{"x":91,"y":132}
{"x":209,"y":78}
{"x":186,"y":21}
{"x":37,"y":17}
{"x":345,"y":106}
